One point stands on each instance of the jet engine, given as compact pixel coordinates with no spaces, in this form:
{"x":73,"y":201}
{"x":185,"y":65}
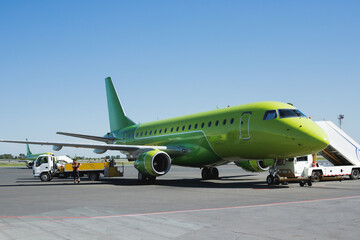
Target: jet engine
{"x":255,"y":165}
{"x":153,"y":163}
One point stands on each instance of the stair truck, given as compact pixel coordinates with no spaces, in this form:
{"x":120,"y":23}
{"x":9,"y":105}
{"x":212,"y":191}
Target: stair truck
{"x":343,"y":152}
{"x":47,"y":167}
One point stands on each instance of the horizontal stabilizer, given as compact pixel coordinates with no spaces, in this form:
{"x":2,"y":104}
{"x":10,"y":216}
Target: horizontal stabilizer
{"x":95,"y":138}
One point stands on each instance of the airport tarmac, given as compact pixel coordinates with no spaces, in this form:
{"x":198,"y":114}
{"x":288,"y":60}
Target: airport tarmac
{"x":240,"y":205}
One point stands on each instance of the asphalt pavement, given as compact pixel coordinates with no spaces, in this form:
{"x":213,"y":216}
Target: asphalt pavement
{"x":180,"y":205}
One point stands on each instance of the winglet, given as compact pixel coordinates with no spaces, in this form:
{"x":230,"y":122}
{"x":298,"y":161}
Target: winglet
{"x":117,"y":117}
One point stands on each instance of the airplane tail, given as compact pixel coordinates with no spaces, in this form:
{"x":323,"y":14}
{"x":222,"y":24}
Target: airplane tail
{"x":28,"y":149}
{"x":117,"y":117}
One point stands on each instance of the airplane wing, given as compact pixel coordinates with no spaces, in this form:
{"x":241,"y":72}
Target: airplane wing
{"x":95,"y":138}
{"x":133,"y":150}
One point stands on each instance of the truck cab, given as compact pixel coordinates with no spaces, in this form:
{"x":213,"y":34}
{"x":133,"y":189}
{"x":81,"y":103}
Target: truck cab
{"x":45,"y":167}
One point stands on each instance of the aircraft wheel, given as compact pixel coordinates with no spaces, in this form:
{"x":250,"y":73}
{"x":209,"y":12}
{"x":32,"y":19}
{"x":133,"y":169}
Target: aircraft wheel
{"x":214,"y":173}
{"x":205,"y":173}
{"x":145,"y":179}
{"x":354,"y":174}
{"x":44,"y":177}
{"x":276,"y":179}
{"x":270,"y":180}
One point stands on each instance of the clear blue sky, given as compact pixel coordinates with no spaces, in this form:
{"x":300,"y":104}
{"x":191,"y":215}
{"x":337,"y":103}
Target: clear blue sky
{"x":171,"y":58}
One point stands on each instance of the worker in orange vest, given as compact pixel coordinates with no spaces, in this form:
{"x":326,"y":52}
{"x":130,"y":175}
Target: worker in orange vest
{"x":76,"y":174}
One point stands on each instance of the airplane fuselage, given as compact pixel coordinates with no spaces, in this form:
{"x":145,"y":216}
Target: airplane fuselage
{"x":230,"y":134}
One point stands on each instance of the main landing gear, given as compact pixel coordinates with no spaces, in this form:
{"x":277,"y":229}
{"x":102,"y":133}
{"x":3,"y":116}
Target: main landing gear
{"x":145,"y":178}
{"x":209,"y":173}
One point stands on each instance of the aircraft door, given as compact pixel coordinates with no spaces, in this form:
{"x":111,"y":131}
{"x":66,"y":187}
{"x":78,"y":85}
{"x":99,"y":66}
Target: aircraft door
{"x":245,"y":126}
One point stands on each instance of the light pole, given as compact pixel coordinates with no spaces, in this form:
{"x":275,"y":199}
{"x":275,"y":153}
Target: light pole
{"x":341,"y":117}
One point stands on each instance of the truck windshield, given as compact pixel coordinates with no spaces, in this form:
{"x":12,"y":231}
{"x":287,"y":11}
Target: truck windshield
{"x":290,"y":113}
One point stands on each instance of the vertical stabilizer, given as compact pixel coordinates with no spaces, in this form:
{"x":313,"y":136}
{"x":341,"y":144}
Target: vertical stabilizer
{"x":117,"y":116}
{"x":28,"y":149}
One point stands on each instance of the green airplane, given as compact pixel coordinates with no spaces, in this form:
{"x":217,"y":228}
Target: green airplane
{"x":32,"y":157}
{"x":253,"y":135}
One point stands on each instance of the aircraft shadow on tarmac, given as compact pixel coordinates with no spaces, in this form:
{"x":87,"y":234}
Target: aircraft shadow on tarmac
{"x":229,"y":182}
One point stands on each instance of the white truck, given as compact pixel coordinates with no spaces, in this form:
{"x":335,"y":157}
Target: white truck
{"x":48,"y":166}
{"x":343,"y":152}
{"x":307,"y":167}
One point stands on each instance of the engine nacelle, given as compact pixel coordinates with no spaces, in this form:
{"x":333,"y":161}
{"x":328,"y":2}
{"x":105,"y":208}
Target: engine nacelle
{"x":255,"y":165}
{"x":153,"y":163}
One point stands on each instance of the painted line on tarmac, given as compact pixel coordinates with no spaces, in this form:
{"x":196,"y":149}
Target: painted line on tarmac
{"x":182,"y":211}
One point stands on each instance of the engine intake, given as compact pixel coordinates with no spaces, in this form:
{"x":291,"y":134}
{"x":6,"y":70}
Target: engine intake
{"x":153,"y":163}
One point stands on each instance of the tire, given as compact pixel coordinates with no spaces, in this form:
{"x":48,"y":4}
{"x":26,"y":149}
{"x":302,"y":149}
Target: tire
{"x":93,"y":176}
{"x":316,"y":176}
{"x":276,"y":179}
{"x":270,"y":180}
{"x":309,"y":183}
{"x":214,"y":173}
{"x":302,"y":183}
{"x":205,"y":173}
{"x":354,"y":174}
{"x":45,"y":177}
{"x":146,"y":179}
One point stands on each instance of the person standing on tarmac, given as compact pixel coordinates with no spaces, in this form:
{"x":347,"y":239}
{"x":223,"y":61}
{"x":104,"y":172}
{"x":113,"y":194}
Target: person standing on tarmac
{"x":76,"y":174}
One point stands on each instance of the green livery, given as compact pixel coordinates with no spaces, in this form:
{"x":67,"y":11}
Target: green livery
{"x":254,"y":136}
{"x":225,"y":135}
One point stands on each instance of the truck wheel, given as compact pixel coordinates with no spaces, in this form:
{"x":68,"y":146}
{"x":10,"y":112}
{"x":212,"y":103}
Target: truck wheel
{"x":316,"y":176}
{"x":44,"y":177}
{"x":93,"y":176}
{"x":302,"y":183}
{"x":354,"y":174}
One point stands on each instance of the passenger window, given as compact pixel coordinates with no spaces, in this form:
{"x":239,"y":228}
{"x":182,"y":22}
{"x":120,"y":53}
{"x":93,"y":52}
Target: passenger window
{"x":224,"y":122}
{"x":141,"y":134}
{"x":160,"y":131}
{"x":232,"y":121}
{"x":209,"y":125}
{"x":202,"y":125}
{"x":183,"y":128}
{"x":172,"y":129}
{"x":189,"y":127}
{"x":145,"y":133}
{"x":155,"y":131}
{"x":165,"y":130}
{"x":137,"y":134}
{"x":196,"y":125}
{"x":150,"y":132}
{"x":177,"y":129}
{"x":270,"y":115}
{"x":217,"y":123}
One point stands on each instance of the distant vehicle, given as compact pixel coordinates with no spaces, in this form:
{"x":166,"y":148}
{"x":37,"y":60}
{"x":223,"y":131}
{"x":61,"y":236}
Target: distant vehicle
{"x":47,"y":166}
{"x":250,"y":132}
{"x":31,"y":157}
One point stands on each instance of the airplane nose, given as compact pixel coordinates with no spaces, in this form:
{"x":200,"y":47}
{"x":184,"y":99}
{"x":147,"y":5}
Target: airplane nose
{"x":320,"y":139}
{"x":314,"y":138}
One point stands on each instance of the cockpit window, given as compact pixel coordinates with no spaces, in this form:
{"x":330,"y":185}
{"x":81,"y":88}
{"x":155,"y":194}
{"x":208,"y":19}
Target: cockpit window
{"x":290,"y":113}
{"x":270,"y":115}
